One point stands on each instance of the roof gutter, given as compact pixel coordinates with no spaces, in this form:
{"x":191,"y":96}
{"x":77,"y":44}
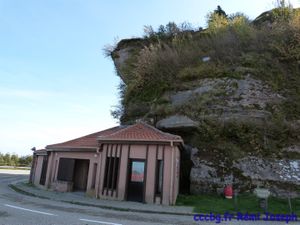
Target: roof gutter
{"x":71,"y":149}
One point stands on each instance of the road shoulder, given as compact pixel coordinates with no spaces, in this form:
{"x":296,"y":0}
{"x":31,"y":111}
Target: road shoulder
{"x":81,"y":199}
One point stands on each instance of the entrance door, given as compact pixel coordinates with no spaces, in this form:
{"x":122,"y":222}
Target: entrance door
{"x":135,"y":190}
{"x":81,"y":170}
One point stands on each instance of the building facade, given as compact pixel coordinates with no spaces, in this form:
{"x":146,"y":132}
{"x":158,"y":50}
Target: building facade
{"x":134,"y":163}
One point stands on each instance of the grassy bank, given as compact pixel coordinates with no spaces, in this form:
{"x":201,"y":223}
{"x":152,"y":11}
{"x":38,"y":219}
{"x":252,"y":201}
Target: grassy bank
{"x":244,"y":203}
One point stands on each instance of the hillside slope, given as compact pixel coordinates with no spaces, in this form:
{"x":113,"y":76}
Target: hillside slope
{"x":232,"y":91}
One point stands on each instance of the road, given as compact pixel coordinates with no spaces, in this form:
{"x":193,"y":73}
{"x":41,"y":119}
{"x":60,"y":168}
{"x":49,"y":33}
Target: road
{"x":19,"y":209}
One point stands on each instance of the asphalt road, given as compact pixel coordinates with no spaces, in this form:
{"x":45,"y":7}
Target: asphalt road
{"x":19,"y":209}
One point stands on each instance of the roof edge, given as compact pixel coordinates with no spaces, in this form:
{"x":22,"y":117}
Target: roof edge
{"x":106,"y":137}
{"x":138,"y":141}
{"x":74,"y":139}
{"x":64,"y":149}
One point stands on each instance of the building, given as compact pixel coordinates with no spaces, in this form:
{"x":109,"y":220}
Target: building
{"x":134,"y":163}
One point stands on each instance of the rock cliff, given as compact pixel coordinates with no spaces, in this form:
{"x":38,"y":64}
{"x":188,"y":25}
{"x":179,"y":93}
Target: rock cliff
{"x":236,"y":108}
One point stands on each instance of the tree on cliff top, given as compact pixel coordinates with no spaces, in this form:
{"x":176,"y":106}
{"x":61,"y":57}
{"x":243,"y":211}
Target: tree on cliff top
{"x":220,"y":11}
{"x":217,"y":19}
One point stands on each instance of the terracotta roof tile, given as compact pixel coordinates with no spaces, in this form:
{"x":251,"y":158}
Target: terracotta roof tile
{"x":140,"y":132}
{"x":136,"y":132}
{"x":88,"y":141}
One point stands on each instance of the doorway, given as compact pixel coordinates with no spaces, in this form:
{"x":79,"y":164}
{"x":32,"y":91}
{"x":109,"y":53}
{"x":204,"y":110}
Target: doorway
{"x":136,"y":175}
{"x":44,"y":170}
{"x":81,"y":169}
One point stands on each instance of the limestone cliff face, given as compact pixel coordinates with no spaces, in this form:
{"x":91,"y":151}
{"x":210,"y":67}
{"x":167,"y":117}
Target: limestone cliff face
{"x":233,"y":128}
{"x":124,"y":54}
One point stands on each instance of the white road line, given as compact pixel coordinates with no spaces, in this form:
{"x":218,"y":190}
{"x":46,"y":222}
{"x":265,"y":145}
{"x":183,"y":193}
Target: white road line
{"x":29,"y":210}
{"x":102,"y":222}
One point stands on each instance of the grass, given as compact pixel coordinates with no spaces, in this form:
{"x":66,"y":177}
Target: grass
{"x":13,"y":168}
{"x":244,"y":203}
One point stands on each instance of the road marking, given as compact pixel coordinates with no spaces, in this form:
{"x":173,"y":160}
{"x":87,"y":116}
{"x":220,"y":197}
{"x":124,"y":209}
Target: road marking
{"x":35,"y":211}
{"x":97,"y":221}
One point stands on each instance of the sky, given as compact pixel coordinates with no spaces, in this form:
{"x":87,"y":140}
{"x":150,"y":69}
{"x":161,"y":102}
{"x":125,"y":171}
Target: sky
{"x":55,"y":82}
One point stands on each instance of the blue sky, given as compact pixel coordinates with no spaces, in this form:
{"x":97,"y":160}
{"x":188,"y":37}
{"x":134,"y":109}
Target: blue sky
{"x":55,"y":83}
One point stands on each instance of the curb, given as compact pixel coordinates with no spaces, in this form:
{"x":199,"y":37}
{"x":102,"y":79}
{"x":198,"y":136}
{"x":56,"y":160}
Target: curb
{"x":14,"y":187}
{"x":21,"y":191}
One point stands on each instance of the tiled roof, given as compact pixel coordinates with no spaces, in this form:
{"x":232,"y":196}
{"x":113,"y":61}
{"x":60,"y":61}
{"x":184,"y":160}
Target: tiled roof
{"x":88,"y":141}
{"x":139,"y":132}
{"x":136,"y":132}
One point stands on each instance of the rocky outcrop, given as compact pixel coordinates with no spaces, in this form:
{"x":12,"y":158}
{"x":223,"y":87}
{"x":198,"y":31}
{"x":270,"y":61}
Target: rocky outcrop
{"x":235,"y":94}
{"x":282,"y":176}
{"x":243,"y":99}
{"x":293,"y":148}
{"x":259,"y":169}
{"x":204,"y":176}
{"x":122,"y":54}
{"x":176,"y":122}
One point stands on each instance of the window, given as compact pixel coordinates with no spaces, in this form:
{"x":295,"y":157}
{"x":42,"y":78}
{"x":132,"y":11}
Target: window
{"x":111,"y":172}
{"x":137,"y":171}
{"x":159,"y":176}
{"x":65,"y":169}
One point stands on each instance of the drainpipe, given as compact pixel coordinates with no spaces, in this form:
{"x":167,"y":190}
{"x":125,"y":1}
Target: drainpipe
{"x":96,"y":175}
{"x":172,"y":170}
{"x":100,"y":150}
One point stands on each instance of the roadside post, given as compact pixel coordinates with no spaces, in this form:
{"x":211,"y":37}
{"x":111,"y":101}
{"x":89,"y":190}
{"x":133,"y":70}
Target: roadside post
{"x":262,"y":194}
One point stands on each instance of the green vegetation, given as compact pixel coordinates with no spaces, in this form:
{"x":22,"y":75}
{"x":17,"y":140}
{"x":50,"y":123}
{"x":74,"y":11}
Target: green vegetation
{"x":245,"y":203}
{"x":15,"y":160}
{"x":233,"y":139}
{"x":170,"y":59}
